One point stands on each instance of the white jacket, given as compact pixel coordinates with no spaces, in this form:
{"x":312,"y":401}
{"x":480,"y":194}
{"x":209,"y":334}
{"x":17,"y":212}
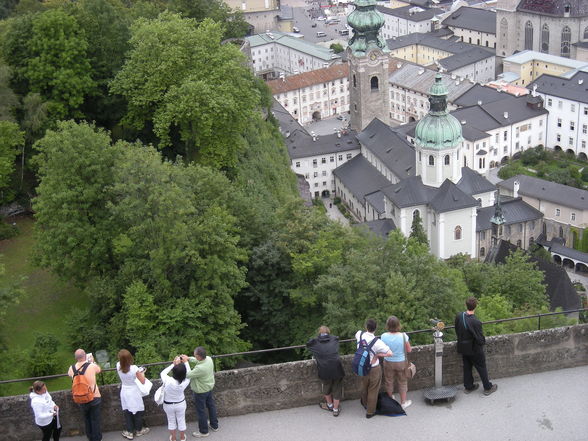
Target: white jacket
{"x":43,"y":406}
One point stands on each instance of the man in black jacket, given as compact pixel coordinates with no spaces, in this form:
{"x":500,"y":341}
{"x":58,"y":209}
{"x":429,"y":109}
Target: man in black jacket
{"x":325,"y":349}
{"x":470,"y":344}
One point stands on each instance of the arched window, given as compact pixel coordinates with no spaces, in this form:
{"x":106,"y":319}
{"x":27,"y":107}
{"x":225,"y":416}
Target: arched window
{"x":561,"y":232}
{"x":354,"y":81}
{"x":566,"y":35}
{"x":519,"y":243}
{"x":374,"y":83}
{"x":446,"y":159}
{"x":531,"y":240}
{"x":457,"y":233}
{"x":482,"y":252}
{"x":545,"y":39}
{"x":529,"y":36}
{"x":586,"y":33}
{"x":431,"y":160}
{"x":415,"y":214}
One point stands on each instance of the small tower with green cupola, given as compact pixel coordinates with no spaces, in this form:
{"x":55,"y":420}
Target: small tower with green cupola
{"x":438,"y":140}
{"x":368,"y":57}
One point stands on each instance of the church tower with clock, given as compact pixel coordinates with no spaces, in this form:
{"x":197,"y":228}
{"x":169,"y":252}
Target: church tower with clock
{"x":368,"y":57}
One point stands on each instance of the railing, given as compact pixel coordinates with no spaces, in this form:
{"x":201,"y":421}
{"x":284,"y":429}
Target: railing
{"x":287,"y":348}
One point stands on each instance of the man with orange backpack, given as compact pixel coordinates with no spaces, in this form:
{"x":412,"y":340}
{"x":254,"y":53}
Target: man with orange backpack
{"x":85,"y":392}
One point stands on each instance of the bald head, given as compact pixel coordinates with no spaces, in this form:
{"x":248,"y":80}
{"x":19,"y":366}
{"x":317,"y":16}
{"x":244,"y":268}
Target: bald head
{"x":80,"y":355}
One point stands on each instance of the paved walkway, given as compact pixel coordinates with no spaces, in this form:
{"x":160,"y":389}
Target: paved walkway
{"x":333,"y":211}
{"x":550,"y":406}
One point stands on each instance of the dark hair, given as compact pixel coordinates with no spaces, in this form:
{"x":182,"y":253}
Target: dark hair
{"x":179,"y":372}
{"x":125,"y":359}
{"x":471,"y":303}
{"x":200,"y":352}
{"x":393,"y":324}
{"x":37,"y":386}
{"x":371,"y":325}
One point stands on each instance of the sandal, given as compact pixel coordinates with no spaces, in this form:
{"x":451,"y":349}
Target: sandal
{"x":323,"y":405}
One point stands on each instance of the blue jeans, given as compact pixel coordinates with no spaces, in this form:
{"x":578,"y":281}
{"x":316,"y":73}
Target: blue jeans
{"x":205,"y":401}
{"x":91,"y":413}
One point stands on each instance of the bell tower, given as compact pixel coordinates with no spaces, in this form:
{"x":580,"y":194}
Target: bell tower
{"x":369,"y":58}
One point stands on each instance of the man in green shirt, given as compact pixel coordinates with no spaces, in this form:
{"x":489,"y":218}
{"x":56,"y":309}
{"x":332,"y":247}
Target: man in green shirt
{"x":202,"y":382}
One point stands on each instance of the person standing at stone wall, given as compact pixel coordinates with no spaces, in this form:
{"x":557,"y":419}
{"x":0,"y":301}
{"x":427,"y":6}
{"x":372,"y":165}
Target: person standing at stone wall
{"x":202,"y":382}
{"x":91,"y":410}
{"x":46,"y":411}
{"x":131,"y":399}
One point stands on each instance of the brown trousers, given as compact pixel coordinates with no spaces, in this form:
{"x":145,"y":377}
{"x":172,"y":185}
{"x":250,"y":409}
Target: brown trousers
{"x":370,"y":387}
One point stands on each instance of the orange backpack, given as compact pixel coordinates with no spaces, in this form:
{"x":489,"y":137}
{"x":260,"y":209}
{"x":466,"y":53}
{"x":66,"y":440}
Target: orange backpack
{"x":81,"y":391}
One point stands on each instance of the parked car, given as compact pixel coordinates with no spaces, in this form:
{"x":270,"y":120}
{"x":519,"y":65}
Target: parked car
{"x":321,"y":18}
{"x":344,"y":32}
{"x":321,"y":34}
{"x":314,"y":25}
{"x":295,"y":29}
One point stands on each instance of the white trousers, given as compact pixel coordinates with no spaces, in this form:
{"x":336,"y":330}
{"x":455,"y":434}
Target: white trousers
{"x":176,"y":416}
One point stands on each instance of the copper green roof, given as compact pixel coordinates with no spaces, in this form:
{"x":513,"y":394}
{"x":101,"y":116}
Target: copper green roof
{"x":366,"y":22}
{"x":438,"y":130}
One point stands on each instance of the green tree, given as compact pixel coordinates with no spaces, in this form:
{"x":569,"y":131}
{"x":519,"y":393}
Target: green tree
{"x":337,"y":48}
{"x":234,"y":23}
{"x":42,"y":359}
{"x":57,"y":66}
{"x":197,"y":93}
{"x":8,"y":99}
{"x":417,"y":231}
{"x":11,"y":139}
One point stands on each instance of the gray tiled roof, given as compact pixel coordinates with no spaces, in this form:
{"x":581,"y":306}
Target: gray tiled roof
{"x":465,"y":58}
{"x":297,"y":44}
{"x":473,"y":183}
{"x":449,"y":197}
{"x":360,"y":177}
{"x":514,"y":211}
{"x":575,"y":88}
{"x":548,"y":191}
{"x":578,"y":8}
{"x":474,"y":19}
{"x":376,"y":200}
{"x":381,"y":227}
{"x":414,"y":77}
{"x":478,"y":93}
{"x":389,"y":147}
{"x":569,"y":252}
{"x":405,"y":12}
{"x":409,"y":192}
{"x":429,"y":40}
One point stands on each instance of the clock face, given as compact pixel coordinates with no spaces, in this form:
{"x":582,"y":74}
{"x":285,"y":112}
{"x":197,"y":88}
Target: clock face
{"x":373,"y":55}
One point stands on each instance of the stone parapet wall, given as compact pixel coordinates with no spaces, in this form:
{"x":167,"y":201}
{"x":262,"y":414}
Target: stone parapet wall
{"x":295,"y":384}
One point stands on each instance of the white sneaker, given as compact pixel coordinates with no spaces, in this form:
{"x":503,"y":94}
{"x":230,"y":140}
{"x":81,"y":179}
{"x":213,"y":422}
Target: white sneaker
{"x":200,"y":435}
{"x":143,"y":431}
{"x":213,"y":429}
{"x":127,"y":435}
{"x":406,"y":404}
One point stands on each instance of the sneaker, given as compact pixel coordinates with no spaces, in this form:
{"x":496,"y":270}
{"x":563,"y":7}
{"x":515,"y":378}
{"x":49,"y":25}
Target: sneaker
{"x":127,"y":435}
{"x":214,"y":429}
{"x":406,"y":404}
{"x":143,"y":431}
{"x":336,"y":412}
{"x":323,"y":405}
{"x":491,"y":390}
{"x":200,"y":434}
{"x":370,"y":415}
{"x":474,"y":387}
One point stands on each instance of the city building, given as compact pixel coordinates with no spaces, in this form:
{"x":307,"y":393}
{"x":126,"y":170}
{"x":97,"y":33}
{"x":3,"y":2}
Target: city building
{"x":529,"y":65}
{"x":262,"y":15}
{"x":473,"y":25}
{"x":408,"y":19}
{"x":555,"y":27}
{"x":566,"y":99}
{"x":275,"y":54}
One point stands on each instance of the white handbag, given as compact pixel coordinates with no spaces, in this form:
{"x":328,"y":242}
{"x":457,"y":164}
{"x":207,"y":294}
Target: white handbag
{"x":159,"y":395}
{"x":144,"y":388}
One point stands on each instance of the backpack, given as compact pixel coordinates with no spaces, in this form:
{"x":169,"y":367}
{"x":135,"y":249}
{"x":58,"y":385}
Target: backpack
{"x":81,"y":391}
{"x":361,"y":360}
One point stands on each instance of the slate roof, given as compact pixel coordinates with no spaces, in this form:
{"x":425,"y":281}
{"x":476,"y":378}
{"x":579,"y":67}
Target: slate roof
{"x":473,"y":183}
{"x":569,"y":252}
{"x":376,"y":200}
{"x":465,"y":58}
{"x":405,"y":12}
{"x":558,"y":286}
{"x":381,"y":227}
{"x":574,"y":88}
{"x":578,"y":8}
{"x":449,"y":197}
{"x":478,"y":93}
{"x":360,"y":177}
{"x":389,"y":147}
{"x":474,"y":19}
{"x":409,"y":192}
{"x":548,"y":191}
{"x":285,"y":120}
{"x":514,"y":211}
{"x":430,"y":40}
{"x":297,"y":44}
{"x":418,"y":78}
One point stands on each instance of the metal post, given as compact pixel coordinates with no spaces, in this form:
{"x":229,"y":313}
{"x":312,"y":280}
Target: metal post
{"x":539,"y":322}
{"x":438,"y":336}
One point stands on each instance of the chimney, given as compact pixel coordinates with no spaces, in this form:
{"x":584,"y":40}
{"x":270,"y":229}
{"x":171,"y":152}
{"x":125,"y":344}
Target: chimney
{"x":479,"y":102}
{"x":515,"y":189}
{"x":288,"y":134}
{"x":314,"y":137}
{"x":534,"y":93}
{"x":505,"y":115}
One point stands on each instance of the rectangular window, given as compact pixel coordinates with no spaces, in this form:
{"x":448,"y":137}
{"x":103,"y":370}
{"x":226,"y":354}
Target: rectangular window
{"x":505,"y":135}
{"x":559,"y":104}
{"x":557,"y":212}
{"x":340,"y":157}
{"x":549,"y":102}
{"x":584,"y":129}
{"x":571,"y":141}
{"x":315,"y":163}
{"x":573,"y":107}
{"x":297,"y":164}
{"x":349,"y":155}
{"x":558,"y":137}
{"x":332,"y":159}
{"x":323,"y":160}
{"x":324,"y":173}
{"x":585,"y":110}
{"x":324,"y":183}
{"x":573,"y":216}
{"x":559,"y":122}
{"x":316,"y":174}
{"x":583,"y":144}
{"x":572,"y":125}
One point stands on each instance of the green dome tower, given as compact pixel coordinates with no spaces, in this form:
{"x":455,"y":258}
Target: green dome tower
{"x":438,"y":139}
{"x":368,"y":71}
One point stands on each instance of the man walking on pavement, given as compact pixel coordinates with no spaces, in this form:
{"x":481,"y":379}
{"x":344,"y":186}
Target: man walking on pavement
{"x":202,"y":382}
{"x":470,"y":344}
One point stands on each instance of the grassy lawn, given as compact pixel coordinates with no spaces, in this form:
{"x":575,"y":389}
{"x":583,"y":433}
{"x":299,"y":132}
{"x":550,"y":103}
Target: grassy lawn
{"x":43,"y":308}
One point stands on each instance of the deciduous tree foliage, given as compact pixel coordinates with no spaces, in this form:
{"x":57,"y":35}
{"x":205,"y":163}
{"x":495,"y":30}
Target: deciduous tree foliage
{"x":180,"y":78}
{"x":11,"y":140}
{"x":233,"y":21}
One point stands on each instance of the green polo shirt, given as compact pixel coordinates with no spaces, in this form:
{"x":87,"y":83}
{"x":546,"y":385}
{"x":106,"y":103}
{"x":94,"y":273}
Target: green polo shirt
{"x":202,"y":375}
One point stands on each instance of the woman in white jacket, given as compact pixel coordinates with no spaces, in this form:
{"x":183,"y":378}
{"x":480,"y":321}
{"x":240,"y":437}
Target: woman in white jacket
{"x":174,"y":400}
{"x":131,"y":399}
{"x":45,"y":411}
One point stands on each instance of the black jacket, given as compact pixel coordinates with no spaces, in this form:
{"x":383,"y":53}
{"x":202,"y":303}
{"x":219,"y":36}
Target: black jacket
{"x":471,"y":330}
{"x":325,"y":349}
